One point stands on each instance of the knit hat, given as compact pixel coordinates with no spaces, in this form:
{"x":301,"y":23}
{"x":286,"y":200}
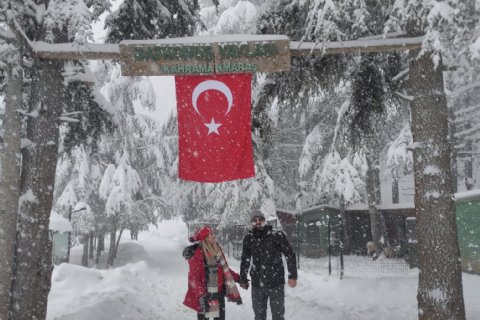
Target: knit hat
{"x":200,"y":234}
{"x":256,"y":213}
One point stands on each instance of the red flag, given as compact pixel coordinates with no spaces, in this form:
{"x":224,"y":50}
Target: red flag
{"x":214,"y":127}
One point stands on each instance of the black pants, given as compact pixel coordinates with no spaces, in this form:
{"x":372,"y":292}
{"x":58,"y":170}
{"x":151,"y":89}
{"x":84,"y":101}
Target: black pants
{"x":260,"y":298}
{"x":221,"y":305}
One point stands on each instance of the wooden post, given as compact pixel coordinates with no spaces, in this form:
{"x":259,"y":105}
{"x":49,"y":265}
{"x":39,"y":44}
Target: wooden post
{"x":329,"y":249}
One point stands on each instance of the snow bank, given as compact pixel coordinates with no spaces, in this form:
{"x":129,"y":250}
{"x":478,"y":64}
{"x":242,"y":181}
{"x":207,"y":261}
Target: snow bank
{"x":66,"y":270}
{"x":155,"y":289}
{"x":81,"y":293}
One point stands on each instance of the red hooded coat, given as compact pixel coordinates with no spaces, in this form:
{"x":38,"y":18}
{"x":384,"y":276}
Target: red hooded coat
{"x":197,"y":287}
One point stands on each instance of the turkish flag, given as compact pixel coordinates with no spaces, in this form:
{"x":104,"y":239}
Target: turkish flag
{"x":214,"y":127}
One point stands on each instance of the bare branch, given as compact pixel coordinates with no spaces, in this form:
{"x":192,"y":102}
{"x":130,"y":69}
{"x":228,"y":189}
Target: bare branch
{"x":22,"y":37}
{"x":68,"y":119}
{"x":401,"y":74}
{"x":74,"y":113}
{"x":32,"y":114}
{"x":466,"y":88}
{"x":7,"y":35}
{"x":405,"y":97}
{"x":157,"y":199}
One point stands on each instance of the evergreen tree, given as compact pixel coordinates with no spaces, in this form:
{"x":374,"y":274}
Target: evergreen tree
{"x":86,"y":114}
{"x":52,"y":22}
{"x":292,"y":109}
{"x":11,"y":65}
{"x":152,"y":19}
{"x":440,"y":270}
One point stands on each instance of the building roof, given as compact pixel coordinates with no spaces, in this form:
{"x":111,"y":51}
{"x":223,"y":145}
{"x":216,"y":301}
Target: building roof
{"x":459,"y":197}
{"x":391,"y":206}
{"x":467,"y":195}
{"x":59,"y":223}
{"x":308,"y":210}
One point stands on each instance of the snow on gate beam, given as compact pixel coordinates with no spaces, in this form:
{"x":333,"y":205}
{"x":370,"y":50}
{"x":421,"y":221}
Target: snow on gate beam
{"x":94,"y":51}
{"x":356,"y":46}
{"x":69,"y":51}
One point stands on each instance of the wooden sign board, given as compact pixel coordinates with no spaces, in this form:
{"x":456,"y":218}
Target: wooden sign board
{"x":205,"y":55}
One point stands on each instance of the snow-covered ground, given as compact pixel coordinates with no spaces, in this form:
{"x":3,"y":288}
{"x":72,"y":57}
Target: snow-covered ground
{"x":149,"y":282}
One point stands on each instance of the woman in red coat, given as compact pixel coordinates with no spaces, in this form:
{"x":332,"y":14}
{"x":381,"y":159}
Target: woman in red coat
{"x":210,"y":279}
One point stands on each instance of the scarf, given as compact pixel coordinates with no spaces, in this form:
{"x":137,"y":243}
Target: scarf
{"x":212,"y":284}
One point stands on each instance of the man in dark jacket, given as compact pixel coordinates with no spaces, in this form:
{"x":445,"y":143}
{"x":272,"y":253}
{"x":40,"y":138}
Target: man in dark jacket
{"x":262,"y":249}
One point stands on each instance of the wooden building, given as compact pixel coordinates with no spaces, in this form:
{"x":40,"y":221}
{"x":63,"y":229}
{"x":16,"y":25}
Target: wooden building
{"x":468,"y":224}
{"x":308,"y":229}
{"x":311,"y":226}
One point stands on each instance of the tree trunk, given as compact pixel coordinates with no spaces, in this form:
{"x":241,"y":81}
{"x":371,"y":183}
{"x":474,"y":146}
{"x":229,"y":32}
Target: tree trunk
{"x":90,"y":251}
{"x":99,"y":251}
{"x":101,"y":242}
{"x":346,"y":227}
{"x":372,"y":206}
{"x":469,"y":183}
{"x":32,"y":279}
{"x":376,"y":179}
{"x":118,"y":242}
{"x":453,"y":151}
{"x":111,"y":252}
{"x":395,"y":191}
{"x":398,"y":220}
{"x":86,"y":242}
{"x":440,"y":293}
{"x":10,"y":178}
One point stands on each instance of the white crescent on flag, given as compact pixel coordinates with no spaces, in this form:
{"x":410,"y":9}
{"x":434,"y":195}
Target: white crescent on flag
{"x":212,"y":85}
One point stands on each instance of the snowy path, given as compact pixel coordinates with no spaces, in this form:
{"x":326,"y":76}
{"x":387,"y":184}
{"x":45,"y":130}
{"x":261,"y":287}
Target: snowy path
{"x":172,"y":269}
{"x":149,"y":282}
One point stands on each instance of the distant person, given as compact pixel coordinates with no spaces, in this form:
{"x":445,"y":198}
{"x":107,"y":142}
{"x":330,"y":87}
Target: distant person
{"x":262,"y":250}
{"x":209,"y":280}
{"x":134,"y":234}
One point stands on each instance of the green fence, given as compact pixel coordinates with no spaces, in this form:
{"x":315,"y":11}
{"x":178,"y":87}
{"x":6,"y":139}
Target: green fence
{"x":319,"y":248}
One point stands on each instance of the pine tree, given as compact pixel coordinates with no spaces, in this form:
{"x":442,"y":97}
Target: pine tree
{"x":464,"y":119}
{"x":11,"y":54}
{"x":41,"y":21}
{"x":291,"y":108}
{"x":439,"y":252}
{"x":150,"y":19}
{"x":399,"y":159}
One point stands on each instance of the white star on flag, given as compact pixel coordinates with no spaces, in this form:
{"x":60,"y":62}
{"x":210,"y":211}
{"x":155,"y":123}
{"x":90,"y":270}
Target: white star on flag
{"x":213,"y":127}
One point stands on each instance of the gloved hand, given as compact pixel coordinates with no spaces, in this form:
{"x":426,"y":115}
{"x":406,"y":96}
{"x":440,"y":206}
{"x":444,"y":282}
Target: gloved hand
{"x":239,"y":301}
{"x":204,"y":306}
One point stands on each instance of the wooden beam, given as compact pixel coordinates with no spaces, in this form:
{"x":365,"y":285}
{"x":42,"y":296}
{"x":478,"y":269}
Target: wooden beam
{"x":94,"y":51}
{"x":357,"y":46}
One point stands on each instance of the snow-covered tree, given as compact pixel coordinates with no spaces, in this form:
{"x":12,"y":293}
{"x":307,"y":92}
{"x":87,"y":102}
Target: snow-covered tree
{"x":240,"y":19}
{"x":51,"y":22}
{"x":444,"y":25}
{"x":464,"y":118}
{"x":121,"y":189}
{"x":81,"y":172}
{"x":145,"y":19}
{"x":348,"y":183}
{"x":290,"y":108}
{"x":399,"y":159}
{"x":11,"y":58}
